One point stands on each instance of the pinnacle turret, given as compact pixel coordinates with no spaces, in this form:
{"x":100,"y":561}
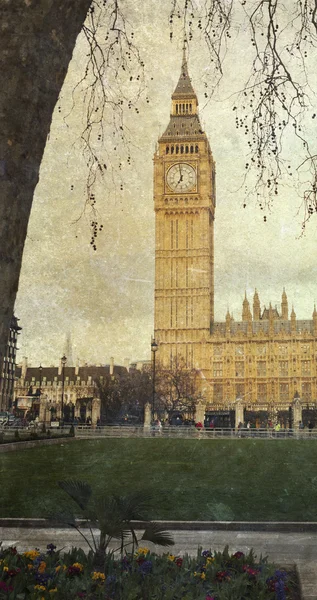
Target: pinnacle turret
{"x":246,"y":312}
{"x":284,"y":306}
{"x":256,"y":306}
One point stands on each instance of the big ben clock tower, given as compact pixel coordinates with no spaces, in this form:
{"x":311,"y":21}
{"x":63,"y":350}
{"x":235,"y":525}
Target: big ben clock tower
{"x":184,"y":202}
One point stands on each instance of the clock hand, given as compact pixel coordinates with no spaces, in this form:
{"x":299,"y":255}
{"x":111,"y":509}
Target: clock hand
{"x":181,"y":176}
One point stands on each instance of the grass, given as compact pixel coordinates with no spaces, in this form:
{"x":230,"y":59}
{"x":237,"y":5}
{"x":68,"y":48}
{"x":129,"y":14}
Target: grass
{"x":190,"y":479}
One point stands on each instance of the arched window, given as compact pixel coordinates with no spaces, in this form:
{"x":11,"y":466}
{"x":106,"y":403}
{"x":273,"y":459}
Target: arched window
{"x":186,"y":149}
{"x":167,"y":149}
{"x":182,"y":149}
{"x":190,"y":108}
{"x":177,"y":149}
{"x":186,"y":108}
{"x":172,"y":149}
{"x":183,"y":108}
{"x":191,"y":149}
{"x":196,"y":148}
{"x":177,"y":109}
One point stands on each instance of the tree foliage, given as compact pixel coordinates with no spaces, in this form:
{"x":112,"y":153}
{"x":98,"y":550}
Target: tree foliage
{"x":176,"y":389}
{"x":124,"y":394}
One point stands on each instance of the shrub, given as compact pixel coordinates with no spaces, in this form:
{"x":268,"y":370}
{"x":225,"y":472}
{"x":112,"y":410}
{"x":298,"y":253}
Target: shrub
{"x":16,"y":435}
{"x":72,"y":431}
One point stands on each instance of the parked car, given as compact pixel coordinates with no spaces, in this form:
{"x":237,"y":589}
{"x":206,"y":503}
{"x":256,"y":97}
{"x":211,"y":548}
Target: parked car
{"x":11,"y":420}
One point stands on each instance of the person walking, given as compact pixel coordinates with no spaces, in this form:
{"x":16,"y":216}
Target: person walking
{"x":277,"y":428}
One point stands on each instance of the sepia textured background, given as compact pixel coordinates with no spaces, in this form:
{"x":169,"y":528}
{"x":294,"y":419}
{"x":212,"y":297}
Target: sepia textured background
{"x":105,"y":298}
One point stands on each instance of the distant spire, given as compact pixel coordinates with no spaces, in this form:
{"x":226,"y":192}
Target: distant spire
{"x":68,"y":350}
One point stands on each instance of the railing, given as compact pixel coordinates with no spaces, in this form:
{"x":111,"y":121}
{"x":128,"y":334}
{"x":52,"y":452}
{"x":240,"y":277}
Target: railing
{"x":125,"y":431}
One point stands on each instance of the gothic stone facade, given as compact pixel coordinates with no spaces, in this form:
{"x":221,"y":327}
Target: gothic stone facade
{"x":268,"y":356}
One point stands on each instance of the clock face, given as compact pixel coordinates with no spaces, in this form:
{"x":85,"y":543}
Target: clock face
{"x":181,"y":177}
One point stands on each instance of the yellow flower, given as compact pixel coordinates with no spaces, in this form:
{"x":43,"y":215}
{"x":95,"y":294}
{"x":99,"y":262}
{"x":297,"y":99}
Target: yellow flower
{"x":41,"y":588}
{"x":78,"y":566}
{"x":6,"y":568}
{"x":171,"y":557}
{"x":97,"y":575}
{"x":42,"y":567}
{"x":58,"y":568}
{"x":201,"y":575}
{"x":209,"y":560}
{"x":32,"y":554}
{"x":141,"y":551}
{"x":53,"y":590}
{"x":30,"y":566}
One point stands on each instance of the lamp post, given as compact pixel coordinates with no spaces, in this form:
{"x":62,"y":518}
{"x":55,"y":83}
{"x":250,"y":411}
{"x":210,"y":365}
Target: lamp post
{"x":154,"y":348}
{"x":40,"y":369}
{"x":63,"y":361}
{"x":40,"y":390}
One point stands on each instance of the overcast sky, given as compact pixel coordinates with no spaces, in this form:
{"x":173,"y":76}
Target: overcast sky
{"x":105,"y":298}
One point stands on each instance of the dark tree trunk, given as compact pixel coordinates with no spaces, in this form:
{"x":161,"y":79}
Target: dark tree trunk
{"x":37,"y":38}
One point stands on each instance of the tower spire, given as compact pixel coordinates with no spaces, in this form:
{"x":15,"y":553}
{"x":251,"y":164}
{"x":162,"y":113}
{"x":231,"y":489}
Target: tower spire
{"x":184,"y":89}
{"x":184,"y":52}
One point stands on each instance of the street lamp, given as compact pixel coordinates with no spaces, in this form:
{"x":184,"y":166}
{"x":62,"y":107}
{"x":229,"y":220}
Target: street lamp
{"x":40,"y":391}
{"x":63,"y":361}
{"x":40,"y":369}
{"x":154,"y":348}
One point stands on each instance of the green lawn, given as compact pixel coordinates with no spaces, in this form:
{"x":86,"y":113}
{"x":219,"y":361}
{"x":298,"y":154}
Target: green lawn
{"x":190,"y":479}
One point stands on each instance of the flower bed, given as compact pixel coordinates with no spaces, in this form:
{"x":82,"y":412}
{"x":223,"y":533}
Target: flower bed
{"x":142,"y":576}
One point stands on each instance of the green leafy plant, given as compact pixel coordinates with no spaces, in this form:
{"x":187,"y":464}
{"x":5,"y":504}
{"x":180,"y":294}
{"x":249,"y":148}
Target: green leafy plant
{"x":143,"y":575}
{"x":115,"y":517}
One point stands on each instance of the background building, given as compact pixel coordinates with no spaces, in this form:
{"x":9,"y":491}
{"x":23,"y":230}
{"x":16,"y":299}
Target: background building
{"x":268,"y":358}
{"x":8,"y":366}
{"x":41,"y":391}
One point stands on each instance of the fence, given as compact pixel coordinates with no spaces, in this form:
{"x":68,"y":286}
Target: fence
{"x":86,"y":431}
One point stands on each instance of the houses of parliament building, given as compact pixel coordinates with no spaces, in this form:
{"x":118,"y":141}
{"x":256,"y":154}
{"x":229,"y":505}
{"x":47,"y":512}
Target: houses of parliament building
{"x":268,"y":359}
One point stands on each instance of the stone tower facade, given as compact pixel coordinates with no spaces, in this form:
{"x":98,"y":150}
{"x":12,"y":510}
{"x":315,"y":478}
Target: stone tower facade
{"x":264,"y":361}
{"x":184,"y":202}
